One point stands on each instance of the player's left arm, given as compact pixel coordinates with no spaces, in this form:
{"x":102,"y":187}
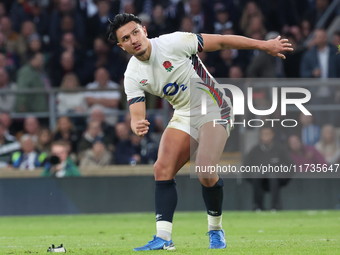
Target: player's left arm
{"x":214,"y":42}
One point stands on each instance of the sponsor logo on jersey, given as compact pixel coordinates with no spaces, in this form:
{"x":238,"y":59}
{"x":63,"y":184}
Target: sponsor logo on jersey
{"x":170,"y":86}
{"x":144,"y":82}
{"x":168,"y":66}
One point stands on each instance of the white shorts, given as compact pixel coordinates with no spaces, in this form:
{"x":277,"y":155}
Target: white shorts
{"x":191,"y":124}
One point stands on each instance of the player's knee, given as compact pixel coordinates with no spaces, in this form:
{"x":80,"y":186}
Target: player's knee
{"x":162,"y":171}
{"x":208,"y":182}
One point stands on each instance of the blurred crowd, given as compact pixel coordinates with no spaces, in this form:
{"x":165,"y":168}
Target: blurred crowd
{"x":66,"y":148}
{"x":63,"y":44}
{"x":308,"y":148}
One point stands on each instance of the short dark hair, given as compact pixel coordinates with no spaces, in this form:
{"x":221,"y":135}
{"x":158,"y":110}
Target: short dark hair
{"x":119,"y":21}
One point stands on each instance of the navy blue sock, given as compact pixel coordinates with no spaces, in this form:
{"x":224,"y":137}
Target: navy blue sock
{"x":165,"y":200}
{"x":213,"y":198}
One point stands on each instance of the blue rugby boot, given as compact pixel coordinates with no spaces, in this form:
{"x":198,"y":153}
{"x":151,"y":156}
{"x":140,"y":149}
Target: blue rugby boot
{"x":217,"y":239}
{"x":157,"y":244}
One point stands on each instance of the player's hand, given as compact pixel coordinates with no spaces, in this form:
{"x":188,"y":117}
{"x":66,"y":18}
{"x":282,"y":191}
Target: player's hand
{"x":142,"y":127}
{"x":275,"y":46}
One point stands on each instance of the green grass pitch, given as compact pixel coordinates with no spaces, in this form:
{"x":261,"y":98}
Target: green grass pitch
{"x":286,"y":232}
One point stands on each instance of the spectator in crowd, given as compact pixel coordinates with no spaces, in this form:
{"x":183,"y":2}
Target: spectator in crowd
{"x":132,"y":149}
{"x":264,"y":65}
{"x":40,"y":18}
{"x":145,"y":148}
{"x":61,"y":165}
{"x":27,"y":29}
{"x":98,"y":155}
{"x":71,"y":101}
{"x":66,"y":65}
{"x":224,"y":62}
{"x":256,"y":26}
{"x":9,"y":65}
{"x":6,"y":100}
{"x":125,"y":152}
{"x":66,"y":8}
{"x":201,"y":22}
{"x":108,"y":99}
{"x":94,"y":131}
{"x":187,"y":25}
{"x":159,"y":24}
{"x":33,"y":46}
{"x":6,"y":120}
{"x":310,"y":132}
{"x":98,"y":23}
{"x":267,"y":152}
{"x":129,"y":7}
{"x":321,"y":62}
{"x":31,"y":127}
{"x":103,"y":56}
{"x":68,"y":44}
{"x":66,"y":131}
{"x":32,"y":75}
{"x":222,"y":20}
{"x":28,"y":158}
{"x":250,"y":11}
{"x":7,"y":147}
{"x":44,"y":140}
{"x":97,"y":114}
{"x":235,"y":72}
{"x":30,"y":10}
{"x":67,"y":24}
{"x":328,"y":145}
{"x":11,"y":37}
{"x":303,"y":154}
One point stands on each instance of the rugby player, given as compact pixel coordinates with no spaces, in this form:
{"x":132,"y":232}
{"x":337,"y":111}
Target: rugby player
{"x":164,"y":66}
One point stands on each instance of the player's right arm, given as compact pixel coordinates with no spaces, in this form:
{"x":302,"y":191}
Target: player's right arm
{"x":139,"y":125}
{"x":136,"y":99}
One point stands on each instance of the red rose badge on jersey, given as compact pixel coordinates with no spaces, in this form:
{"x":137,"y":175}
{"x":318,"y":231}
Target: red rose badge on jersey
{"x":168,"y":66}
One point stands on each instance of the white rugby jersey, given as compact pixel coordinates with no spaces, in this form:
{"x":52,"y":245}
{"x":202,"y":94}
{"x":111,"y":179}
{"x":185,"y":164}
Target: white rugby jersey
{"x":173,"y":61}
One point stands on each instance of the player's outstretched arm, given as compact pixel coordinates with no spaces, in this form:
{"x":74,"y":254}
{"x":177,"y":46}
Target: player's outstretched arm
{"x":139,"y":125}
{"x":273,"y":47}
